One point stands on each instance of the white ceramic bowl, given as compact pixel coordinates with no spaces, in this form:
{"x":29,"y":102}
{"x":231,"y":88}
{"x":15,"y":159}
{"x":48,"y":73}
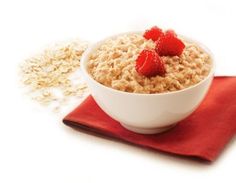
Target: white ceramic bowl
{"x":147,"y":113}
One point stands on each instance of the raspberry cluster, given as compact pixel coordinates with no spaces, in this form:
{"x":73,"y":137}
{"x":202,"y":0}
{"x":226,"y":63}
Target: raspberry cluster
{"x":149,"y":62}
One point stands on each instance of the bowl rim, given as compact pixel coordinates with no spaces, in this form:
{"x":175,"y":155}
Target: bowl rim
{"x":88,"y":51}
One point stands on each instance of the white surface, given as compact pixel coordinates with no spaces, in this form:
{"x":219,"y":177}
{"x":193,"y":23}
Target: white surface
{"x":146,"y":113}
{"x":36,"y":147}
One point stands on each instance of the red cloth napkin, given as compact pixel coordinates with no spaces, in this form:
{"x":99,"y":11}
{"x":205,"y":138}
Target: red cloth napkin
{"x":203,"y":134}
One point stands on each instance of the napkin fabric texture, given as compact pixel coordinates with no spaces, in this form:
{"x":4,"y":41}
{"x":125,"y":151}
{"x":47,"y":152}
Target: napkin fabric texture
{"x":204,"y":134}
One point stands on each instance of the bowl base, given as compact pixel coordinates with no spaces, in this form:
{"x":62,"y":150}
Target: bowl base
{"x":147,"y":130}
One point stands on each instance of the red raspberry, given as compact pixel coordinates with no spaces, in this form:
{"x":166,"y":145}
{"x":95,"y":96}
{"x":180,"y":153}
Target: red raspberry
{"x":149,"y":64}
{"x":154,"y":33}
{"x":169,"y":45}
{"x":171,"y":32}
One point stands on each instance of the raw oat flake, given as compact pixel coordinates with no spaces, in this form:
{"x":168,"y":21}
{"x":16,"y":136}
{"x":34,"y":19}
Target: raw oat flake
{"x":51,"y":76}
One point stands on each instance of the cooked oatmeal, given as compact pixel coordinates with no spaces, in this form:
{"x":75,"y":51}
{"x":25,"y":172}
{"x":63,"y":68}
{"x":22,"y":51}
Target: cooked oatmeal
{"x":113,"y":64}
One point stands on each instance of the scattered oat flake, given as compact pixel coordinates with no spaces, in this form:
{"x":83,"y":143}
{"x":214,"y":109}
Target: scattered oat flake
{"x":48,"y":74}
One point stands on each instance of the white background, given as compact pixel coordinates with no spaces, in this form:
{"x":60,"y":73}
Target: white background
{"x":34,"y":144}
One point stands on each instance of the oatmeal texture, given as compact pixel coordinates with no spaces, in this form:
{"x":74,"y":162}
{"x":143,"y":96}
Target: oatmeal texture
{"x":113,"y":64}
